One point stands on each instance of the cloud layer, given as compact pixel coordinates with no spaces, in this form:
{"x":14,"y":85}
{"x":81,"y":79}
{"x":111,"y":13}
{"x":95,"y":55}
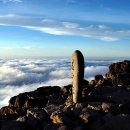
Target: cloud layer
{"x":55,"y":27}
{"x":21,"y":75}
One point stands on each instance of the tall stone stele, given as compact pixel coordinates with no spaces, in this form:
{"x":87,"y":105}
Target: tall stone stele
{"x":77,"y":70}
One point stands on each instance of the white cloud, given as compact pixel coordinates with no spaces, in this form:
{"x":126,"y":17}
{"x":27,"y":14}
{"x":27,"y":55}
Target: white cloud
{"x":48,"y":21}
{"x":109,"y":39}
{"x":70,"y":25}
{"x":102,"y":27}
{"x":94,"y":70}
{"x":8,"y":16}
{"x":60,"y":73}
{"x":50,"y":26}
{"x":9,"y":75}
{"x":19,"y":72}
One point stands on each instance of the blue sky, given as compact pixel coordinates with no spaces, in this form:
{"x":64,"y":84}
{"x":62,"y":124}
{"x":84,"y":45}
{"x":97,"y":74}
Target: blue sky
{"x":58,"y":27}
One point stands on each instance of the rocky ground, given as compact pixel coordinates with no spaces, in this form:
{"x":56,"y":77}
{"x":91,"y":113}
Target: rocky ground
{"x":105,"y":105}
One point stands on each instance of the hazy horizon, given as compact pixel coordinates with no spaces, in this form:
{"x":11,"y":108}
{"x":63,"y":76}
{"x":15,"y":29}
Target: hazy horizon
{"x":86,"y":57}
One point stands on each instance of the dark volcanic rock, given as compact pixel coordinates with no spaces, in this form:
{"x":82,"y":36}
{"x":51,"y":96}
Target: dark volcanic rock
{"x":112,"y":122}
{"x":37,"y":113}
{"x":59,"y":117}
{"x":120,"y":74}
{"x":48,"y":90}
{"x":52,"y":108}
{"x":66,"y":89}
{"x":97,"y":78}
{"x":7,"y":110}
{"x":12,"y":125}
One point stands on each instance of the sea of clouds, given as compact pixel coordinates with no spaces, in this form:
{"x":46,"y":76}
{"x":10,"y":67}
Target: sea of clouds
{"x":23,"y":75}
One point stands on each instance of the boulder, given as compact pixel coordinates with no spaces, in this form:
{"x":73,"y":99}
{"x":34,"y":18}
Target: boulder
{"x":20,"y":100}
{"x":88,"y":116}
{"x":52,"y":108}
{"x":97,"y":78}
{"x":48,"y":90}
{"x":66,"y":89}
{"x":21,"y":119}
{"x":7,"y":110}
{"x":20,"y":111}
{"x":119,"y":73}
{"x":94,"y":106}
{"x":36,"y":102}
{"x":106,"y":107}
{"x":59,"y":117}
{"x":37,"y":113}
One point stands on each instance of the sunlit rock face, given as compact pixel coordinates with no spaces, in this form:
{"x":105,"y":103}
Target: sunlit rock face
{"x":120,"y":73}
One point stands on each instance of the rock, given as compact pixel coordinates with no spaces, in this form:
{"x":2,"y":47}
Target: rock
{"x":107,"y":82}
{"x":63,"y":128}
{"x":92,"y":83}
{"x":88,"y":116}
{"x":77,"y":109}
{"x":20,"y":111}
{"x":73,"y":110}
{"x":52,"y":108}
{"x":87,"y":90}
{"x":120,"y":67}
{"x":69,"y":101}
{"x":50,"y":126}
{"x":100,"y":81}
{"x":33,"y":124}
{"x":20,"y":100}
{"x":94,"y":106}
{"x":8,"y":117}
{"x":119,"y":74}
{"x":48,"y":90}
{"x":33,"y":95}
{"x":106,"y":107}
{"x":7,"y":110}
{"x":55,"y":99}
{"x":78,"y":128}
{"x":37,"y":113}
{"x":13,"y":125}
{"x":77,"y":70}
{"x":65,"y":89}
{"x":97,"y":78}
{"x":22,"y":119}
{"x":59,"y":117}
{"x":36,"y":102}
{"x":85,"y":83}
{"x":112,"y":122}
{"x":124,"y":108}
{"x":12,"y":101}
